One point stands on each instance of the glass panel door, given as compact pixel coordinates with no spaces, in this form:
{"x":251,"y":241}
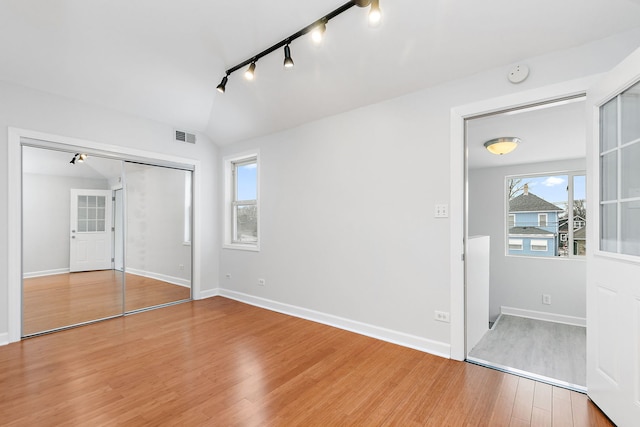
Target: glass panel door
{"x":158,"y":236}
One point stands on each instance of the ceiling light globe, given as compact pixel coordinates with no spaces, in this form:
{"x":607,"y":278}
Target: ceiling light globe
{"x":502,"y":145}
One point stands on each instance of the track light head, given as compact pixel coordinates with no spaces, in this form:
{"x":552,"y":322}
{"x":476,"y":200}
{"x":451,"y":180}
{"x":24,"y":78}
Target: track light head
{"x":318,"y":32}
{"x":223,"y":84}
{"x":250,"y":73}
{"x":375,"y":14}
{"x":288,"y":61}
{"x":73,"y":160}
{"x":361,"y":3}
{"x":82,"y":157}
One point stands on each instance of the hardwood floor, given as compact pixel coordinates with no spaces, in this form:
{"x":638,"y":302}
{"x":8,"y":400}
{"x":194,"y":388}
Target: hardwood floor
{"x":60,"y":300}
{"x":221,"y":362}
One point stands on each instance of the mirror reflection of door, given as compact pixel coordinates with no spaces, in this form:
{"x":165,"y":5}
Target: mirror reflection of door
{"x":67,"y":241}
{"x":158,"y":230}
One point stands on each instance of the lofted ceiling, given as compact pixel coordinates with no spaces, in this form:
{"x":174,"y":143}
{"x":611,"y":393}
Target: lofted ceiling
{"x":162,"y":59}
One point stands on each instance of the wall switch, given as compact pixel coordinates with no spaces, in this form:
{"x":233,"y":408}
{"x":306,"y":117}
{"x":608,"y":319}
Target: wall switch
{"x":442,"y":210}
{"x":228,"y":275}
{"x":441,"y":316}
{"x":181,"y":266}
{"x":261,"y":282}
{"x":546,"y":299}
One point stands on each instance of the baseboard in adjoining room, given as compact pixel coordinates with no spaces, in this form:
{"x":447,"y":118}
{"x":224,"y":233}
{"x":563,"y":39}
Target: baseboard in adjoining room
{"x":162,"y":277}
{"x":395,"y":337}
{"x":43,"y":273}
{"x":207,"y":293}
{"x":541,"y":315}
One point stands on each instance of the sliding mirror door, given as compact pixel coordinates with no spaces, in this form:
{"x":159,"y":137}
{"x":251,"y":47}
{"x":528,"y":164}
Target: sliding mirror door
{"x":158,"y":235}
{"x":69,"y":240}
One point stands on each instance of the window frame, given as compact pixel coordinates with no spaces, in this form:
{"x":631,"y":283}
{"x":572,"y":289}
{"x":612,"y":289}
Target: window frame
{"x":231,"y":163}
{"x":546,"y":219}
{"x":537,"y":243}
{"x":515,"y":241}
{"x":571,"y":175}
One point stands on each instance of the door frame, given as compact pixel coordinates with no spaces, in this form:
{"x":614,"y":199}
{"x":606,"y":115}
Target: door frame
{"x":458,"y":189}
{"x":46,"y":140}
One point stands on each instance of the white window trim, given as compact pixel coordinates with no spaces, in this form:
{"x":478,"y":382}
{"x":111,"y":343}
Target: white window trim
{"x":546,"y":219}
{"x":539,"y":242}
{"x":510,"y":222}
{"x":516,"y":242}
{"x":229,"y":184}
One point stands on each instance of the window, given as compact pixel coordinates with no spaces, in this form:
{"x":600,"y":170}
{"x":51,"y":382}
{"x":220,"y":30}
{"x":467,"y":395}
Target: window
{"x":187,"y":208}
{"x":515,"y":244}
{"x":539,"y":245}
{"x":542,"y":220}
{"x":242,"y":208}
{"x":619,"y":173}
{"x":548,"y":213}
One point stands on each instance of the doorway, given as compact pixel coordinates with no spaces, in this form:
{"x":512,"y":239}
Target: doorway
{"x":102,"y":238}
{"x":529,"y":290}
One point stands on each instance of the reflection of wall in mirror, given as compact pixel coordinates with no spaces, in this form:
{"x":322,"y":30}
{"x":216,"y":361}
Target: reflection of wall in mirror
{"x":155,"y":223}
{"x":45,"y":217}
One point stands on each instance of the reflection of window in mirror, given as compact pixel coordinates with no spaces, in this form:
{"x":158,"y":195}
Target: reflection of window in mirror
{"x":187,"y":208}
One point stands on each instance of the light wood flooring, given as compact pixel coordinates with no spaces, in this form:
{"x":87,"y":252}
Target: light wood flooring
{"x":221,"y":362}
{"x":60,"y":300}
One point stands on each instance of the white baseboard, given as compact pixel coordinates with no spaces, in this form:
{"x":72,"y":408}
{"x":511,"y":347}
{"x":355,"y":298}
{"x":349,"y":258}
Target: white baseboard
{"x":43,"y":273}
{"x":4,"y":338}
{"x":163,"y":277}
{"x":540,"y":315}
{"x":209,"y":293}
{"x":406,"y":340}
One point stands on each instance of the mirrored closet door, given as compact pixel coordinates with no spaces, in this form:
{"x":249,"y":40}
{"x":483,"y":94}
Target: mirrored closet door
{"x":102,"y":237}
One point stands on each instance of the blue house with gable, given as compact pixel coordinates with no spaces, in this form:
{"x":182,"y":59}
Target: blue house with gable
{"x":533,"y":226}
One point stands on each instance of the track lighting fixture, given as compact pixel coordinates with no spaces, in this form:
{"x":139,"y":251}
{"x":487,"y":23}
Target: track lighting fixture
{"x":288,"y":61}
{"x":250,"y":73}
{"x":223,"y":84}
{"x":375,"y":14}
{"x":317,"y":29}
{"x":78,"y":157}
{"x":318,"y":32}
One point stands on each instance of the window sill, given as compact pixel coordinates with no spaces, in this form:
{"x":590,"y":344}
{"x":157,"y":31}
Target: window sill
{"x":241,"y":247}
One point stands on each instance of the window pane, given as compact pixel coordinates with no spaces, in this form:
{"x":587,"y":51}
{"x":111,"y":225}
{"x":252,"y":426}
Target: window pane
{"x":101,"y":201}
{"x":538,"y":245}
{"x":630,"y":173}
{"x":91,"y":226}
{"x":246,"y":181}
{"x":246,"y":224}
{"x":609,"y":176}
{"x":91,"y":201}
{"x":100,"y":225}
{"x":82,"y":226}
{"x":609,"y":125}
{"x":82,"y":201}
{"x":630,"y":128}
{"x":542,"y":220}
{"x":579,"y":215}
{"x":608,"y":227}
{"x":630,"y":231}
{"x":82,"y":213}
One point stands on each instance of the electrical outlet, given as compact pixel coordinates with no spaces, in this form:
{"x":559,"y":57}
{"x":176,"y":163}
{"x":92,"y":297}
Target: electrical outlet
{"x":546,"y":299}
{"x":228,"y":275}
{"x":441,"y":316}
{"x":441,"y":211}
{"x":181,"y":266}
{"x":261,"y":282}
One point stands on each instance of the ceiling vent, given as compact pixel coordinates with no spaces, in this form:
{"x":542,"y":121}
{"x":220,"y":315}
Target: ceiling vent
{"x":183,"y":136}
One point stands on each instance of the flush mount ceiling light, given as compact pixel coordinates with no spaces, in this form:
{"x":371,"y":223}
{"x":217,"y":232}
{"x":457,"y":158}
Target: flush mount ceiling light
{"x":317,"y":29}
{"x":502,"y":145}
{"x":78,"y":157}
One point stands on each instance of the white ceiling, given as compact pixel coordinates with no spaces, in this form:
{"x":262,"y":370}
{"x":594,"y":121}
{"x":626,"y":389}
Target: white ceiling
{"x":555,"y":132}
{"x":163,"y":59}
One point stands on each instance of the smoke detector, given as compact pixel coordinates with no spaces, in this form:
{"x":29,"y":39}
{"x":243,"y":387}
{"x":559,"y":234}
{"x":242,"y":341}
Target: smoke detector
{"x":518,"y":74}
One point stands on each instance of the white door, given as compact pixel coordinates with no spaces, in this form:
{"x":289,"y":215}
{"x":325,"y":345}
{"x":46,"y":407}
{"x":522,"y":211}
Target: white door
{"x":613,"y":255}
{"x":90,"y":230}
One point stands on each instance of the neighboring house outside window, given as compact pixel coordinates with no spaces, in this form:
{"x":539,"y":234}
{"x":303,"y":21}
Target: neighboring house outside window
{"x":535,"y":225}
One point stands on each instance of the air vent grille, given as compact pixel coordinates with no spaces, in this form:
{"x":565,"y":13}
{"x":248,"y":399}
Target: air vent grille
{"x":183,"y":136}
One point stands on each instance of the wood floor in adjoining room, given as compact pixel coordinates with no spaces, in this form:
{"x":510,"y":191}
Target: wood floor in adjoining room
{"x":55,"y":301}
{"x":221,"y":362}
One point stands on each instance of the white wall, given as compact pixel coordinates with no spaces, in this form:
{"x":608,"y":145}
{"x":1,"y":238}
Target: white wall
{"x":519,"y":282}
{"x":45,"y":220}
{"x":155,"y":222}
{"x":34,"y":110}
{"x":347,"y":202}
